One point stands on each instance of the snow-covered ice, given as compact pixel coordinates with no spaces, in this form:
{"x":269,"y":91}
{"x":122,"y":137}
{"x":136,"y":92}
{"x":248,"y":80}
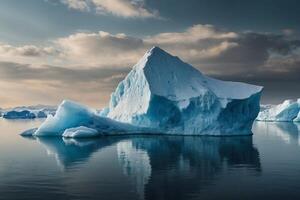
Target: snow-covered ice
{"x":163,"y":94}
{"x":287,"y":111}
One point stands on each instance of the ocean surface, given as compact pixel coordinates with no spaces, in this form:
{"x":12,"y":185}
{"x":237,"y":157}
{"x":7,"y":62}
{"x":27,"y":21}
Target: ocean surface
{"x":263,"y":166}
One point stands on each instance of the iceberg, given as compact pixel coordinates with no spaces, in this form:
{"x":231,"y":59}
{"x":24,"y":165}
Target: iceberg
{"x":76,"y":120}
{"x":162,"y":94}
{"x":174,"y":97}
{"x":287,"y":111}
{"x":28,"y":112}
{"x":24,"y":114}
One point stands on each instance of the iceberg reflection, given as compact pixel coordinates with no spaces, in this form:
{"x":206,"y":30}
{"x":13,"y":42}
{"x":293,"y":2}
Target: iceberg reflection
{"x":286,"y":131}
{"x":71,"y":152}
{"x":163,"y":167}
{"x":168,"y":167}
{"x":136,"y":165}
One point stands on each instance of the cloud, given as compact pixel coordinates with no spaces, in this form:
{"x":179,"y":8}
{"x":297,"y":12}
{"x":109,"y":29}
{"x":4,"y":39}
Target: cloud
{"x":25,"y":84}
{"x":214,"y":51}
{"x":93,"y":63}
{"x":120,"y":8}
{"x":101,"y":49}
{"x":81,"y":5}
{"x":193,"y":34}
{"x":253,"y":52}
{"x":288,"y":32}
{"x":11,"y":71}
{"x":29,"y":54}
{"x":27,"y":50}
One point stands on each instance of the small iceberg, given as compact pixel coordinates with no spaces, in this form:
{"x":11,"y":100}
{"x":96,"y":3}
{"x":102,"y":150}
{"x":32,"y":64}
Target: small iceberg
{"x":288,"y":111}
{"x":75,"y":120}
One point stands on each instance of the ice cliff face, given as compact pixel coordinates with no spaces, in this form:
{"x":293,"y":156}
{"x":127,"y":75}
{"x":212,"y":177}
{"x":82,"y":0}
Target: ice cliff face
{"x":287,"y":111}
{"x":162,"y":94}
{"x":167,"y":94}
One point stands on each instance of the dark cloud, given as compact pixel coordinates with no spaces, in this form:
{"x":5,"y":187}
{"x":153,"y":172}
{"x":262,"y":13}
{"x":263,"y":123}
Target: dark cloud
{"x":256,"y":55}
{"x":14,"y":71}
{"x":27,"y":51}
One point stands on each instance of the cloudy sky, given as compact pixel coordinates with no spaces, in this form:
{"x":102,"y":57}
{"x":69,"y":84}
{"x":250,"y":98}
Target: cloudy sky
{"x":52,"y":50}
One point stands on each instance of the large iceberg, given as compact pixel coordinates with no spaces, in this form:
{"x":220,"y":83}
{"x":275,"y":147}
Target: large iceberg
{"x":287,"y":111}
{"x":170,"y":95}
{"x":163,"y":94}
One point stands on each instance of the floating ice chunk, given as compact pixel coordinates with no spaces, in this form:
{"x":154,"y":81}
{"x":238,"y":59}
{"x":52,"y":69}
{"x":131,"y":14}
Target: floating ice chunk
{"x":69,"y":115}
{"x":29,"y":132}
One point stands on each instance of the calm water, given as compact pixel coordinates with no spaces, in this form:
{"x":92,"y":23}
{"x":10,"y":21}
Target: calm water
{"x":264,"y":166}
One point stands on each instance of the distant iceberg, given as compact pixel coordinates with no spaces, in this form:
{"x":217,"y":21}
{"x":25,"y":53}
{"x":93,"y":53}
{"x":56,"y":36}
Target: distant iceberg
{"x":24,"y":114}
{"x":28,"y":112}
{"x":287,"y":111}
{"x":162,"y":94}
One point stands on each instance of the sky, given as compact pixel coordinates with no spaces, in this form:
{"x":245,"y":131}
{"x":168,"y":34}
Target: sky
{"x":52,"y":50}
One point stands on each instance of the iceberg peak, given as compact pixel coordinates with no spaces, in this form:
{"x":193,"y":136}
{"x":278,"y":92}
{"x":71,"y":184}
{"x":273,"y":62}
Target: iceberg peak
{"x":157,"y":50}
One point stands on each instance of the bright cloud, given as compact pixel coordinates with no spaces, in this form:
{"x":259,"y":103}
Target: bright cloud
{"x":120,"y":8}
{"x":81,"y":5}
{"x":101,"y":49}
{"x":192,"y":34}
